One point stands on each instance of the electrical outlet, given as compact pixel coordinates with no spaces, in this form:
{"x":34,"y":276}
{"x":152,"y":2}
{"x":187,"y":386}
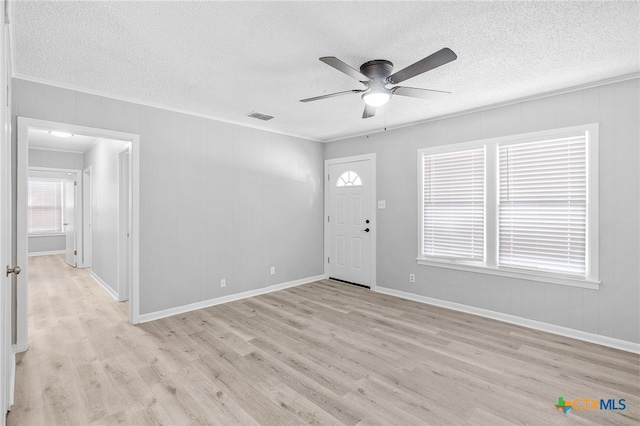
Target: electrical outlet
{"x":223,"y":283}
{"x":412,"y":278}
{"x":273,"y":270}
{"x":382,"y":204}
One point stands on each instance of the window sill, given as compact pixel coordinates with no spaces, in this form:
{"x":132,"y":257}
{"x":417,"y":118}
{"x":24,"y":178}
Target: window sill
{"x":573,"y":282}
{"x":48,"y":234}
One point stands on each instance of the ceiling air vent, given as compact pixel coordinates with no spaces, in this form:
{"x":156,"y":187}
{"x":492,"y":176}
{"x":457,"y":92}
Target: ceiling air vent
{"x":259,"y":116}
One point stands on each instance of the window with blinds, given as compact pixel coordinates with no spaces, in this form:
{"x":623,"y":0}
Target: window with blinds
{"x":44,"y":206}
{"x":453,"y":205}
{"x":542,"y":213}
{"x":521,"y":206}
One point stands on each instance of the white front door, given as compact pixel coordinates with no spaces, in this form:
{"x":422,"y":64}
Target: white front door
{"x":70,"y":220}
{"x":350,"y":221}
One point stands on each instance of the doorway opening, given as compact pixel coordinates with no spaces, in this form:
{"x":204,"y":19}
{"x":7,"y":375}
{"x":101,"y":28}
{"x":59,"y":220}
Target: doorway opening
{"x":99,"y":205}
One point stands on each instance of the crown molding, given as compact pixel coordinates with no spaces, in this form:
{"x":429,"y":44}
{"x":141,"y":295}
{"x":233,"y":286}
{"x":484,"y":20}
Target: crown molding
{"x":584,"y":86}
{"x":23,"y":77}
{"x":556,"y":92}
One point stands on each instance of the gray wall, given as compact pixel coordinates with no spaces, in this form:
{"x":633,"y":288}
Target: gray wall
{"x":216,"y":200}
{"x":611,"y":311}
{"x":103,"y":160}
{"x":48,"y":243}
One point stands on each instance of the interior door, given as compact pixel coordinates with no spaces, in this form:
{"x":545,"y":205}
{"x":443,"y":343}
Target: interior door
{"x":7,"y":364}
{"x":86,"y":218}
{"x":349,"y":221}
{"x":124,"y":228}
{"x":70,"y":221}
{"x":7,"y":248}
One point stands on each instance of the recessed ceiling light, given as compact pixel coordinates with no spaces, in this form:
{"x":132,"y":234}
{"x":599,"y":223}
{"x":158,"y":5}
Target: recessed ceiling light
{"x":61,"y":134}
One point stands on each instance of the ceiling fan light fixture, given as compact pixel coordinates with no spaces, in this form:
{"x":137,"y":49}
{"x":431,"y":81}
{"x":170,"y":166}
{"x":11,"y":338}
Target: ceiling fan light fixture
{"x":61,"y":134}
{"x":376,"y":98}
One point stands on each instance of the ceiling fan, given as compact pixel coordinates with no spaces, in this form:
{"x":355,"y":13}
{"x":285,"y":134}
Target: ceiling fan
{"x":376,"y":75}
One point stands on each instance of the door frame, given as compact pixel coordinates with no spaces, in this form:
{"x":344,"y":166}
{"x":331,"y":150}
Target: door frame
{"x":77,"y":218}
{"x":373,"y":188}
{"x":7,"y":254}
{"x":24,"y":124}
{"x":124,"y":219}
{"x":86,"y":217}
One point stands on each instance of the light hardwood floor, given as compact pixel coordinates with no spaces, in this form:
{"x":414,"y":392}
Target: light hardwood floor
{"x":322,"y":353}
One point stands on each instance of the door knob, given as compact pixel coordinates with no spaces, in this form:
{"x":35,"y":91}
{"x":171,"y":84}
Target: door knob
{"x":15,"y":270}
{"x":365,"y":230}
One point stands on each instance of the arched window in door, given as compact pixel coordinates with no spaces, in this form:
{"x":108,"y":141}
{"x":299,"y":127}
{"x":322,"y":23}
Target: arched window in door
{"x":349,"y":178}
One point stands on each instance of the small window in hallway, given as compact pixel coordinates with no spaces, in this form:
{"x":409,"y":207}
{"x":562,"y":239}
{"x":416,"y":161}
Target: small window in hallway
{"x":44,"y":206}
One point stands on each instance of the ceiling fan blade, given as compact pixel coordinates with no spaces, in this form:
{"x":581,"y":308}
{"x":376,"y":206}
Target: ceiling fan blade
{"x":369,"y":111}
{"x":331,"y":95}
{"x":336,"y":63}
{"x":435,"y":60}
{"x":415,"y":92}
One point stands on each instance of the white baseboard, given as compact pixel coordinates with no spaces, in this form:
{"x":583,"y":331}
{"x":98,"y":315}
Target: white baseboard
{"x":104,"y":285}
{"x":151,"y":316}
{"x":512,"y":319}
{"x":46,"y":253}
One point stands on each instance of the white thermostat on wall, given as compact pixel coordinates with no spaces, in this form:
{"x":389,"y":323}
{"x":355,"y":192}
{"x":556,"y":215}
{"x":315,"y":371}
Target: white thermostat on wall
{"x":382,"y":204}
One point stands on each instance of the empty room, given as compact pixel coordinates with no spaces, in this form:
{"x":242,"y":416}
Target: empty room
{"x":320,"y":212}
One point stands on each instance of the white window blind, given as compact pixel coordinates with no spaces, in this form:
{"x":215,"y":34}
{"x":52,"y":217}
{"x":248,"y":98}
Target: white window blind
{"x":543,"y":205}
{"x":453,"y":205}
{"x":44,"y":206}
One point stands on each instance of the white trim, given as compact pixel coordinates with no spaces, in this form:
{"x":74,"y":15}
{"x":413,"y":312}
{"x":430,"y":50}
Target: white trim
{"x":105,"y":286}
{"x":47,"y":253}
{"x":155,"y":105}
{"x":48,"y":234}
{"x":512,"y":273}
{"x":23,"y":126}
{"x":571,"y":89}
{"x":86,"y":218}
{"x":64,"y":151}
{"x":374,"y":209}
{"x":151,"y":316}
{"x":513,"y":319}
{"x":585,"y":86}
{"x":124,"y":247}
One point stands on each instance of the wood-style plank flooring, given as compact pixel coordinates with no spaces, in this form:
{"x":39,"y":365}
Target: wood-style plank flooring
{"x":324,"y":353}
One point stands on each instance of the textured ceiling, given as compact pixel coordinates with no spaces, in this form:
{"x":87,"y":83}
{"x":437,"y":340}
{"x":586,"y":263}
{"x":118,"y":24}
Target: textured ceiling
{"x":42,"y":139}
{"x":226,"y":59}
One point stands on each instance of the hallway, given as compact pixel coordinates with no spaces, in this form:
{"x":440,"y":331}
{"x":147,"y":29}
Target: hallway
{"x":74,"y":328}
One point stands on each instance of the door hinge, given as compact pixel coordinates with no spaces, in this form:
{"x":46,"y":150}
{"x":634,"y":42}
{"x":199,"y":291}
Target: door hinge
{"x":328,"y":218}
{"x":328,"y":177}
{"x":75,"y":183}
{"x":328,"y":261}
{"x":75,"y":252}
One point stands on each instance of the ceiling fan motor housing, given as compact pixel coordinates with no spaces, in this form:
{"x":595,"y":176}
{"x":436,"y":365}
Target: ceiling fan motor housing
{"x":378,"y":69}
